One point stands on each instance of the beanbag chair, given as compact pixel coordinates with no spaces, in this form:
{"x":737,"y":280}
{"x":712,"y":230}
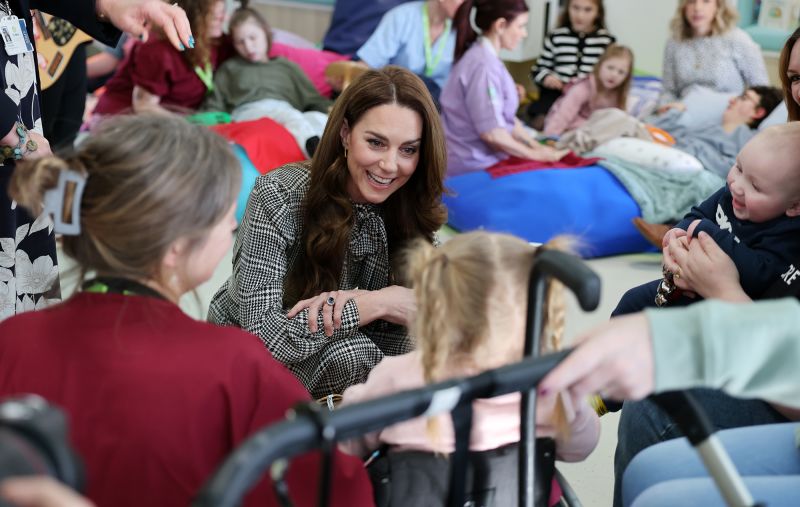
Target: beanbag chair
{"x":588,"y":203}
{"x":267,"y":143}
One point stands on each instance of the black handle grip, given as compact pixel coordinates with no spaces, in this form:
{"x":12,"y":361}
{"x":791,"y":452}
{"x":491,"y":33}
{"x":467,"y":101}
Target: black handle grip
{"x":572,"y":272}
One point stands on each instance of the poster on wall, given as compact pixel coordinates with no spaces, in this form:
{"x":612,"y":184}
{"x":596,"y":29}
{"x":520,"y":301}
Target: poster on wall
{"x":779,"y":14}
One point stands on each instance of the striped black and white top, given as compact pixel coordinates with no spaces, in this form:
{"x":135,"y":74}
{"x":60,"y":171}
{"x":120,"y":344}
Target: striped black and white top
{"x":568,"y":54}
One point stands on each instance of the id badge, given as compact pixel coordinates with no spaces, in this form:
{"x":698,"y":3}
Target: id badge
{"x":15,"y":35}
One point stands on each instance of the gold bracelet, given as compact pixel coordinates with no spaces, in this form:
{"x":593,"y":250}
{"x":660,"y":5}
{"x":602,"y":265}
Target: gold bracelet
{"x":598,"y":405}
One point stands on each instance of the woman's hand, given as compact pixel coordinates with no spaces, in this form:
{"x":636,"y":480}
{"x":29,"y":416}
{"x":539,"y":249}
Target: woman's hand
{"x":678,"y":106}
{"x":43,"y":145}
{"x":331,"y":313}
{"x":393,"y":304}
{"x":43,"y":149}
{"x":614,"y":360}
{"x":135,"y":17}
{"x":548,"y":153}
{"x":703,"y":267}
{"x":552,"y":82}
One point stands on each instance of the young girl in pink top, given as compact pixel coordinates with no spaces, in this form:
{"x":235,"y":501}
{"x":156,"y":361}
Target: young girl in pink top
{"x":469,"y":319}
{"x":606,"y":86}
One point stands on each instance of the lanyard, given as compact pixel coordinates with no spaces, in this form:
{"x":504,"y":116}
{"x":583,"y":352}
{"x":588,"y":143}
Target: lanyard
{"x":206,"y":75}
{"x":122,"y":286}
{"x":432,"y":62}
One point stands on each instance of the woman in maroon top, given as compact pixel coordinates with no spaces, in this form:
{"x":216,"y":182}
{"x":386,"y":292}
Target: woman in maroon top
{"x":156,"y":400}
{"x":156,"y":76}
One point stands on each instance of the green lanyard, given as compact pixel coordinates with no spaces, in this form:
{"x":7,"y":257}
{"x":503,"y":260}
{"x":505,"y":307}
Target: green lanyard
{"x":206,"y":75}
{"x":430,"y":62}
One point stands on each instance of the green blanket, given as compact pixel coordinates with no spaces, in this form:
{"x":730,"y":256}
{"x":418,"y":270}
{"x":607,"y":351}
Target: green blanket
{"x":662,"y":196}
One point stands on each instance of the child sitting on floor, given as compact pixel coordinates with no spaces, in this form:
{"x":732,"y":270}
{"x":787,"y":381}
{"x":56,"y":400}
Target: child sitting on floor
{"x":606,"y":86}
{"x":469,"y":319}
{"x":570,"y":51}
{"x":754,"y":219}
{"x":251,"y":85}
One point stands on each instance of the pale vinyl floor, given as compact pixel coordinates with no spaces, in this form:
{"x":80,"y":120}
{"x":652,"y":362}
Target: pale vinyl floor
{"x":592,"y":478}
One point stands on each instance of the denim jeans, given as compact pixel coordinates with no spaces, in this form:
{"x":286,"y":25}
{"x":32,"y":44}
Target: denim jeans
{"x":671,"y":473}
{"x":643,"y":424}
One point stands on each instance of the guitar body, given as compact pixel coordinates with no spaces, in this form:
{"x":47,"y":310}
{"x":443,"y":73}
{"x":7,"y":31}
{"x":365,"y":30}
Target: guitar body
{"x":56,"y":41}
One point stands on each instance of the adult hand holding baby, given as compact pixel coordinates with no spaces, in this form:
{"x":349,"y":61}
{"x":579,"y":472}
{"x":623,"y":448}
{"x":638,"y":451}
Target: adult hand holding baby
{"x":704,"y":268}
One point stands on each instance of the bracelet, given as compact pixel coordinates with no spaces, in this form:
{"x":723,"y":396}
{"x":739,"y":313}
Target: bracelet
{"x":598,"y":405}
{"x":23,"y":147}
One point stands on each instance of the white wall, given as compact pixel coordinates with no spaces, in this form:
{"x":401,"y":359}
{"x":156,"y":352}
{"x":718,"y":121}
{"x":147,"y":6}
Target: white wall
{"x":643,"y":25}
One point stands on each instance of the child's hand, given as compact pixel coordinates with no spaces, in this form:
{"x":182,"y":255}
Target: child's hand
{"x":691,"y":228}
{"x":675,"y":232}
{"x":552,"y":82}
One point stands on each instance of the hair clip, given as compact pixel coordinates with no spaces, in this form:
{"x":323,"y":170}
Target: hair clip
{"x":473,"y":15}
{"x":54,"y":202}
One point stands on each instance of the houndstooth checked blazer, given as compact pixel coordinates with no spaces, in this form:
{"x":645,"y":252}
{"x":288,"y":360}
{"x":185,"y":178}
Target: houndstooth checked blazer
{"x":266,"y":246}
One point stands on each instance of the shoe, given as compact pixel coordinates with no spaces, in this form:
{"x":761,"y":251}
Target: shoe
{"x":654,"y":233}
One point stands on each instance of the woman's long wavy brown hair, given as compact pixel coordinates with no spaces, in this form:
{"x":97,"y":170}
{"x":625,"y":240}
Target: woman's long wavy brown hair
{"x":415,"y":210}
{"x":198,"y":12}
{"x":783,"y":67}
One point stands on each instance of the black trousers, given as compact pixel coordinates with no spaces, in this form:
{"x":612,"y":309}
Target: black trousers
{"x":63,"y":103}
{"x":547,"y":97}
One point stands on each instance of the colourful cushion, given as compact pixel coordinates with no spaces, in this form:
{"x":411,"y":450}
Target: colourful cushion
{"x":267,"y":143}
{"x":588,"y":202}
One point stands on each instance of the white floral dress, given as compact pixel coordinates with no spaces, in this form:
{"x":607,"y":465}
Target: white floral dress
{"x":28,"y":264}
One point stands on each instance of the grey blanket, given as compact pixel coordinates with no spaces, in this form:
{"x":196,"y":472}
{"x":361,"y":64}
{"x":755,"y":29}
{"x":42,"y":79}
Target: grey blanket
{"x":662,"y":196}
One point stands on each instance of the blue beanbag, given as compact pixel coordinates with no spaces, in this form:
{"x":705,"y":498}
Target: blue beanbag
{"x":249,"y":175}
{"x":587,"y":202}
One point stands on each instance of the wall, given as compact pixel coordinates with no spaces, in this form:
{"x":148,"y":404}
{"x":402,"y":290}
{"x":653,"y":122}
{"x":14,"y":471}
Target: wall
{"x":644,"y":26}
{"x":309,"y":19}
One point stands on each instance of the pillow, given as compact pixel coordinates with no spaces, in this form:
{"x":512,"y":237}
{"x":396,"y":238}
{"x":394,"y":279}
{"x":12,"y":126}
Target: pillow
{"x":643,"y":97}
{"x":704,"y":107}
{"x":312,"y":61}
{"x":778,"y":116}
{"x":648,"y":155}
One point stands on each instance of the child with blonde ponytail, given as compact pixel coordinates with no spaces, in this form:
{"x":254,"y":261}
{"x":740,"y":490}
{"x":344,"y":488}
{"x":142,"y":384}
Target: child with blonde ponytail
{"x":470,"y":295}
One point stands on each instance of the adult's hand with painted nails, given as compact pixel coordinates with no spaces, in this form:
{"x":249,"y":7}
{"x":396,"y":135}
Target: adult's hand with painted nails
{"x":136,"y":16}
{"x":615,"y":359}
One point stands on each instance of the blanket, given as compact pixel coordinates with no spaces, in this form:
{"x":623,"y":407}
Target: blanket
{"x":663,"y":196}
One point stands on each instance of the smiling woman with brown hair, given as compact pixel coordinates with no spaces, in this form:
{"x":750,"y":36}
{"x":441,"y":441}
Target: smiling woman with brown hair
{"x":314,"y":271}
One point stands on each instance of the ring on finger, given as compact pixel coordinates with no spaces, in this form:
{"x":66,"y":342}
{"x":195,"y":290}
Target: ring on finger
{"x":330,"y":301}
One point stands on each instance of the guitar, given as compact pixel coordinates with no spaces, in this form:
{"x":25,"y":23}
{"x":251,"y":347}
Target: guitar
{"x":56,"y":41}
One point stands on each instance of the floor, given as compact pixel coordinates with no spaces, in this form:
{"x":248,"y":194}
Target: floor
{"x":593,"y":478}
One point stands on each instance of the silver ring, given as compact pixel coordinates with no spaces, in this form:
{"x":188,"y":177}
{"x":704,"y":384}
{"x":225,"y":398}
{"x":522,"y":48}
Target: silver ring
{"x":330,"y":301}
